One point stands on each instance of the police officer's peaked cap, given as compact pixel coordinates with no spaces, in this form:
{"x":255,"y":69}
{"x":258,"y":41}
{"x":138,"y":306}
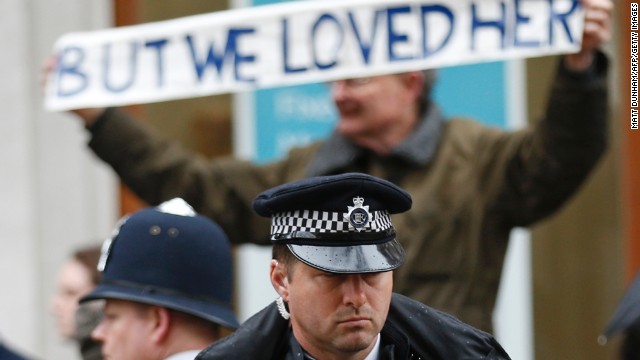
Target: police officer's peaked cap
{"x":172,"y":257}
{"x":339,"y":223}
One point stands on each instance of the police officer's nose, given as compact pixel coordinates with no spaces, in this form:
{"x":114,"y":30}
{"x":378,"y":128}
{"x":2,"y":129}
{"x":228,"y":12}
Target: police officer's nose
{"x":354,"y":294}
{"x":98,"y":332}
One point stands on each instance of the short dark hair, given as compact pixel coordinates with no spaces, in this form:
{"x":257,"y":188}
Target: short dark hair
{"x":281,"y":253}
{"x":89,"y":257}
{"x":199,"y":323}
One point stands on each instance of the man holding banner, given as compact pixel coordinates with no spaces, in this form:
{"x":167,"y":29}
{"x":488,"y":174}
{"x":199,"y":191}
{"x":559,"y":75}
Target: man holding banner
{"x":471,"y":184}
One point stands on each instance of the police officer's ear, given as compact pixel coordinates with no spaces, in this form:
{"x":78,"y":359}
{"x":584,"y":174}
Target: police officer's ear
{"x":279,"y":280}
{"x":160,"y":321}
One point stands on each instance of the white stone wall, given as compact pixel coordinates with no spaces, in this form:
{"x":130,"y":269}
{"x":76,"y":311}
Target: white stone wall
{"x":54,"y":195}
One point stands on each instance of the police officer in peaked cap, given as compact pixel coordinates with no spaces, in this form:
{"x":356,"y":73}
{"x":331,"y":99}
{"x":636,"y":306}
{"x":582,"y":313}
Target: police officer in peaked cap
{"x":334,"y":252}
{"x":167,"y":282}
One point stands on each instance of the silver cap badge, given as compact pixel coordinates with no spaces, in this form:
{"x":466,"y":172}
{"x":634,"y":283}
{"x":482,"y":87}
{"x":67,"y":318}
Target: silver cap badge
{"x":358,"y":215}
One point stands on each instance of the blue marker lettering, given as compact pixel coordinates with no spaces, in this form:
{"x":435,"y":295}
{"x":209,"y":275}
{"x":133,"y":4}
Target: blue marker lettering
{"x":212,"y":58}
{"x":553,"y":16}
{"x":477,"y":24}
{"x":365,"y":47}
{"x":218,"y":60}
{"x":316,"y":25}
{"x":65,"y":68}
{"x":106,"y":67}
{"x":426,"y":9}
{"x":393,"y":36}
{"x":238,"y":59}
{"x":158,"y":45}
{"x":285,"y":50}
{"x":520,"y":19}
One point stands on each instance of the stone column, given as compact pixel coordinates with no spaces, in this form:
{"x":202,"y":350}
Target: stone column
{"x":54,"y":195}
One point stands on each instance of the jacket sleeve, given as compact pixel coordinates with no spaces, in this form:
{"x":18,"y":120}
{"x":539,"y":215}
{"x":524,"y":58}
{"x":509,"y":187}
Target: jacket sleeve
{"x":158,"y":169}
{"x":531,"y":173}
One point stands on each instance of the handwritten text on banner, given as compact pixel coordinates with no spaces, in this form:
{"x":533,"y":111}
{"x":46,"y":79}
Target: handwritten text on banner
{"x":301,"y":42}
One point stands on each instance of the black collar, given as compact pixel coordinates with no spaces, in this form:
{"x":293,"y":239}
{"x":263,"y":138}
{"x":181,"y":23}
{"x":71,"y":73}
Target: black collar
{"x":393,"y":345}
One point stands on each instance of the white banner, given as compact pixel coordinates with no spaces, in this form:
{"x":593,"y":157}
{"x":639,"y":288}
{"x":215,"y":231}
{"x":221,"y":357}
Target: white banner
{"x":300,"y":42}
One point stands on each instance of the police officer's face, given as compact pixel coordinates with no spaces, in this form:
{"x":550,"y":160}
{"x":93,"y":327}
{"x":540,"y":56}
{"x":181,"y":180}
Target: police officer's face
{"x":337,"y":313}
{"x":371,"y":108}
{"x":126,"y":332}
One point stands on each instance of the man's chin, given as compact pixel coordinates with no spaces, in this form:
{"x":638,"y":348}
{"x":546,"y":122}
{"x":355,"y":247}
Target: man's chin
{"x":355,"y":341}
{"x":354,"y":346}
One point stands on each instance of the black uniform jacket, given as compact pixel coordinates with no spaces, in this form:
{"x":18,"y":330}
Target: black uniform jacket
{"x":412,"y":331}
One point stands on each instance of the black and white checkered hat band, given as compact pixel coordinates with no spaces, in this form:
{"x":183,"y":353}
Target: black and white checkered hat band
{"x":325,"y":222}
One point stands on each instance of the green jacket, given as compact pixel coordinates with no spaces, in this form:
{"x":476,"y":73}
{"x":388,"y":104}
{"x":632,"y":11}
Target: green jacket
{"x":470,"y":184}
